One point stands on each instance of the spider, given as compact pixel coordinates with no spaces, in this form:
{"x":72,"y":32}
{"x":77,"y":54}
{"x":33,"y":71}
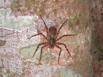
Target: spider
{"x":52,"y":39}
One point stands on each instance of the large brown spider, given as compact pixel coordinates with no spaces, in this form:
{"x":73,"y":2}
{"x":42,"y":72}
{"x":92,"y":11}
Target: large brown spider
{"x":52,"y":39}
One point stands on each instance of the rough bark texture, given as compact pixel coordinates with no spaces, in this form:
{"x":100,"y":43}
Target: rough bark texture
{"x":16,"y":54}
{"x":97,"y":37}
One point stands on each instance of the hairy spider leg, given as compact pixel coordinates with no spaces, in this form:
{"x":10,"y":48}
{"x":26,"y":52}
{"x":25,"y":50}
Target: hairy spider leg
{"x":65,"y":47}
{"x":38,"y":47}
{"x":65,"y":36}
{"x":61,"y":26}
{"x":59,"y":52}
{"x":44,"y":24}
{"x":37,"y":35}
{"x":41,"y":52}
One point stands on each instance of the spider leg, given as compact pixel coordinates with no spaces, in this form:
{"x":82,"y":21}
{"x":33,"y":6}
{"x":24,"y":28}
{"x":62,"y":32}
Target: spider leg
{"x":38,"y":47}
{"x":44,"y":24}
{"x":59,"y":53}
{"x":61,"y":26}
{"x":41,"y":52}
{"x":65,"y":47}
{"x":65,"y":36}
{"x":37,"y":35}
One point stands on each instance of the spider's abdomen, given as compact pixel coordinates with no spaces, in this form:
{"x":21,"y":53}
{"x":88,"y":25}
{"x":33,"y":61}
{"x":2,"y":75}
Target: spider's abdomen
{"x":52,"y":41}
{"x":52,"y":36}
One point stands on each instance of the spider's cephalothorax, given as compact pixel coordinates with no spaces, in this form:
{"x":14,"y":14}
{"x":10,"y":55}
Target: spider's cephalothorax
{"x":52,"y":36}
{"x":52,"y":39}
